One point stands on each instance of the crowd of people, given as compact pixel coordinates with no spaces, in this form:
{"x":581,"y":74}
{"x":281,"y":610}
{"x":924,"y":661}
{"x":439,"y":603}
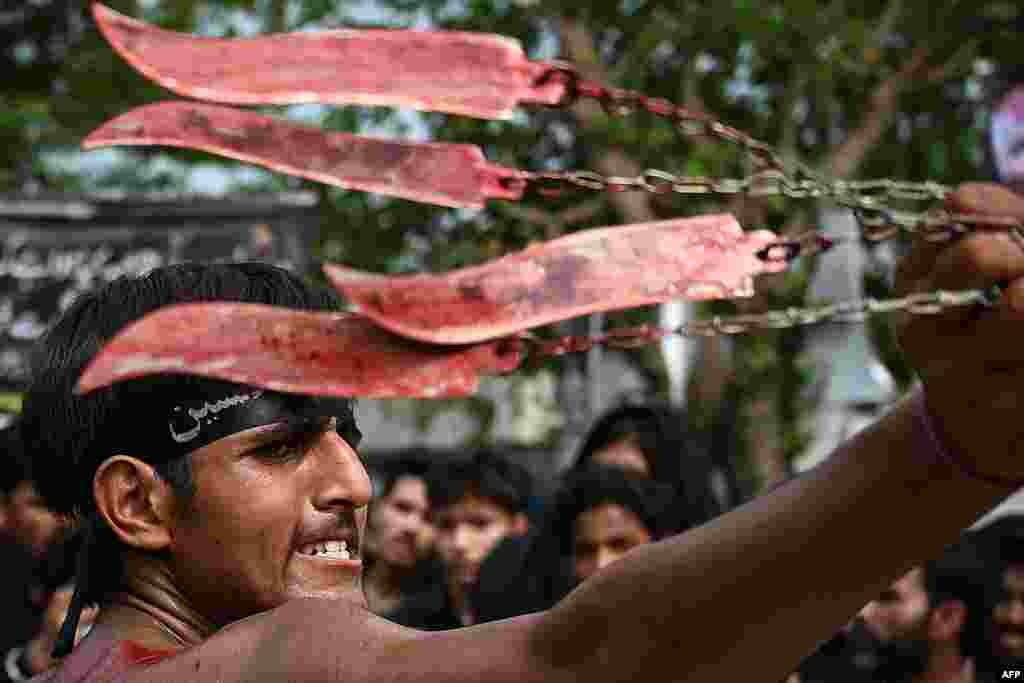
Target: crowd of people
{"x":451,"y":541}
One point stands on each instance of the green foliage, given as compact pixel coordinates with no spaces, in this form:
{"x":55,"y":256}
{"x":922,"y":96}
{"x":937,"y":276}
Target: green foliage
{"x":801,"y":74}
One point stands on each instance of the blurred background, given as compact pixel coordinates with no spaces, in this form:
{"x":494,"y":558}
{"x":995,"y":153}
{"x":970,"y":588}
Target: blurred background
{"x":893,"y":88}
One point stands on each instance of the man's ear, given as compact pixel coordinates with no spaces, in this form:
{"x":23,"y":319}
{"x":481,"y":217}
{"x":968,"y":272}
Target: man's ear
{"x":135,"y":502}
{"x":520,"y":524}
{"x":947,"y":621}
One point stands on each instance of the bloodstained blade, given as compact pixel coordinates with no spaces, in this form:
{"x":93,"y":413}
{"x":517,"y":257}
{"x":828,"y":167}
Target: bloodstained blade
{"x":472,"y":74}
{"x":706,"y":257}
{"x":325,"y":354}
{"x":438,"y":173}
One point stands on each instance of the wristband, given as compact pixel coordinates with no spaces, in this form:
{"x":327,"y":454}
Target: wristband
{"x":14,"y":665}
{"x":934,"y":451}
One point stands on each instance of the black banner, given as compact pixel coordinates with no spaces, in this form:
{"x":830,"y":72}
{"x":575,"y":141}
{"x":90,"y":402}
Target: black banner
{"x":53,"y":249}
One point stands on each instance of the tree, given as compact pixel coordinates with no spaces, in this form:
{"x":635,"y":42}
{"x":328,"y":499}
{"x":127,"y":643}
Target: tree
{"x":885,"y":88}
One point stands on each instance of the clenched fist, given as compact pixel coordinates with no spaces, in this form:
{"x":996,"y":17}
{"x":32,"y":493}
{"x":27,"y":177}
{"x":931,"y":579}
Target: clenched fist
{"x":971,"y":360}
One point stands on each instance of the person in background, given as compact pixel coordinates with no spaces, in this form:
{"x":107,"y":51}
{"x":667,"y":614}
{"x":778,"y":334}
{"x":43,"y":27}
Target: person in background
{"x":924,"y":628}
{"x":27,"y":520}
{"x":50,"y":596}
{"x":475,"y":504}
{"x":653,"y":441}
{"x":398,"y":550}
{"x":27,"y":529}
{"x":1002,"y":543}
{"x":602,"y":513}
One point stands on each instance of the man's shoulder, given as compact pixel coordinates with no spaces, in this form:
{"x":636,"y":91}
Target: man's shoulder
{"x":103,"y":662}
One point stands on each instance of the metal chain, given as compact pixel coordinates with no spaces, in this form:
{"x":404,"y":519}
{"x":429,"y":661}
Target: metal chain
{"x":878,"y":221}
{"x":621,"y":102}
{"x":867,"y":198}
{"x":856,"y":311}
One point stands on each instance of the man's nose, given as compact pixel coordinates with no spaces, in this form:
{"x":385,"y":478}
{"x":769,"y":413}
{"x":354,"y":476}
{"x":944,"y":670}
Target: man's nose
{"x":868,"y":613}
{"x":605,"y":556}
{"x":462,"y":539}
{"x":339,"y":476}
{"x":1014,"y":611}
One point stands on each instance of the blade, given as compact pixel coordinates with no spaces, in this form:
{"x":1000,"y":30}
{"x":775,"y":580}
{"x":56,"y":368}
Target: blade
{"x":437,"y":173}
{"x":707,"y":257}
{"x":329,"y":354}
{"x":479,"y":75}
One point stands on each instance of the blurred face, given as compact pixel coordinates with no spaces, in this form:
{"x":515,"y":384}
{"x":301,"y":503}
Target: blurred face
{"x":467,"y":531}
{"x":1008,"y":615}
{"x":397,"y":532}
{"x":603,"y":535}
{"x":31,"y":523}
{"x":900,"y":612}
{"x":897,"y":629}
{"x":1007,"y":134}
{"x":277,"y":515}
{"x":623,"y":453}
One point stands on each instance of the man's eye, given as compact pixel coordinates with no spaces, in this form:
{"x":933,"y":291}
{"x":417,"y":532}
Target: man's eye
{"x":281,"y":450}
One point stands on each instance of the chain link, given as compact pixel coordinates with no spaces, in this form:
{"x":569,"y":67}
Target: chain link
{"x":856,"y":311}
{"x":869,"y":199}
{"x":865,"y":197}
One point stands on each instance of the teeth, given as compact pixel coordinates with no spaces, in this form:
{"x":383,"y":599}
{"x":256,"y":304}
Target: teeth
{"x":328,"y":549}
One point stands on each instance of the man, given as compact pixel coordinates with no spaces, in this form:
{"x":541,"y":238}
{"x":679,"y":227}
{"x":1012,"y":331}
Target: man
{"x":652,"y":440}
{"x":604,"y":513}
{"x":1002,"y":542}
{"x":27,"y":529}
{"x":26,"y":518}
{"x":597,"y":514}
{"x":399,"y":534}
{"x":925,"y":625}
{"x":228,"y":556}
{"x":475,"y":504}
{"x":52,"y":592}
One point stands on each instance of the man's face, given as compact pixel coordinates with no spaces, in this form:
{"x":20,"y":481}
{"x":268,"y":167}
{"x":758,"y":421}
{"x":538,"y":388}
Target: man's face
{"x":603,"y":535}
{"x":467,"y":531}
{"x":1008,"y":615}
{"x":277,"y":515}
{"x":396,"y":530}
{"x":31,"y":523}
{"x":625,"y":454}
{"x":1007,"y":135}
{"x":896,"y":629}
{"x":900,"y":611}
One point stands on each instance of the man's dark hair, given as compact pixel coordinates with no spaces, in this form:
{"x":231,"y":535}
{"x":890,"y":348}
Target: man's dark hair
{"x":596,"y":485}
{"x":13,"y":468}
{"x":386,"y":469}
{"x":674,"y":455}
{"x":486,"y":475}
{"x":533,"y":573}
{"x":1001,"y":543}
{"x":67,"y":436}
{"x":959,"y":574}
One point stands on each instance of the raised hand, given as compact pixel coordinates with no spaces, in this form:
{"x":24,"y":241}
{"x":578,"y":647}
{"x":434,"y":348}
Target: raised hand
{"x":971,"y":361}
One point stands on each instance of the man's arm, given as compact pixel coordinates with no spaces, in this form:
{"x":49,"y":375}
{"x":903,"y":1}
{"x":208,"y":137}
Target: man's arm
{"x":746,"y":596}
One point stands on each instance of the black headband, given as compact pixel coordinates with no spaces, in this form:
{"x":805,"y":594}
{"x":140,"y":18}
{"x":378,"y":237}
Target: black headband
{"x":208,"y":411}
{"x":163,"y":423}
